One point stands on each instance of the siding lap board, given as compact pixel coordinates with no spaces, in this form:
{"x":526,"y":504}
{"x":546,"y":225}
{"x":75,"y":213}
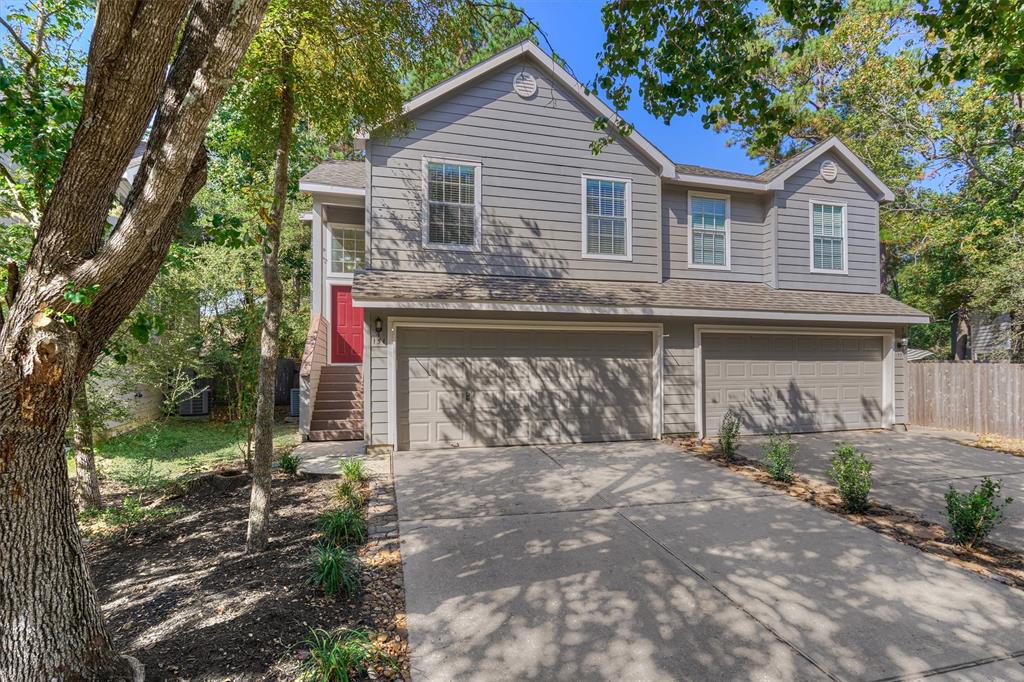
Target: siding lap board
{"x":533,"y":153}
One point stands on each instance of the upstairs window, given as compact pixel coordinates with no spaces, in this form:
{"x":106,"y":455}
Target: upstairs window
{"x":348,"y":248}
{"x":709,"y":231}
{"x":828,"y":237}
{"x":451,"y":212}
{"x":607,"y":229}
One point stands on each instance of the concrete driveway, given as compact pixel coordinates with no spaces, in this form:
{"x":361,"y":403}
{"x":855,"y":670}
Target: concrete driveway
{"x":913,"y":470}
{"x":638,"y":562}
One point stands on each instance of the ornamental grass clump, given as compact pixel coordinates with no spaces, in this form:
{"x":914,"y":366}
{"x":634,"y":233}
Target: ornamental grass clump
{"x":973,"y":514}
{"x":729,"y":434}
{"x":851,"y":472}
{"x":778,"y":457}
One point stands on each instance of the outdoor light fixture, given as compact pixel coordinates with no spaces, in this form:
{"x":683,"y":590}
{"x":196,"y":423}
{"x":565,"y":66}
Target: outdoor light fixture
{"x":378,"y":326}
{"x":901,"y":343}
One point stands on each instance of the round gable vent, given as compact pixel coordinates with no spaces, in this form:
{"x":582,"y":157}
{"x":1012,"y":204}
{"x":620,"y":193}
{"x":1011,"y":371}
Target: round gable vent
{"x":524,"y":84}
{"x":829,"y":171}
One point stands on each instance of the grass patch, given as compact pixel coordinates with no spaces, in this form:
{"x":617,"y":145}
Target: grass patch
{"x":335,"y":570}
{"x":122,"y":518}
{"x":336,"y":657}
{"x":342,"y":526}
{"x":172,"y":447}
{"x":349,"y":496}
{"x":288,"y":463}
{"x":354,"y":470}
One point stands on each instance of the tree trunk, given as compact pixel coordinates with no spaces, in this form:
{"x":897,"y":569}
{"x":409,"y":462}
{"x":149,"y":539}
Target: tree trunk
{"x":51,"y":627}
{"x":259,"y":503}
{"x":961,"y":338}
{"x":87,"y":484}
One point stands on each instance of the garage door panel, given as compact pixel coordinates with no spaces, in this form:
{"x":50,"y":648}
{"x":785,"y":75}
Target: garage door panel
{"x":815,"y":383}
{"x":519,"y":387}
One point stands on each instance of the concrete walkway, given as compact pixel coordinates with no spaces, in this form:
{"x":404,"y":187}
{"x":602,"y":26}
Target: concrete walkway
{"x":638,"y":562}
{"x":325,"y":457}
{"x":913,"y":470}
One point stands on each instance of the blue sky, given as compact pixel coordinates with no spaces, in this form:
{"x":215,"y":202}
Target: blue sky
{"x":576,"y":33}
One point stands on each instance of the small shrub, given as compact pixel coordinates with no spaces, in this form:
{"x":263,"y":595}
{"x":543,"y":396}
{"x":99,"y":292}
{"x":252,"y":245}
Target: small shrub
{"x":342,"y":526}
{"x":289,"y":463}
{"x":335,"y":570}
{"x":335,"y":657}
{"x":778,"y":457}
{"x":972,"y":515}
{"x":729,"y":434}
{"x":355,"y":470}
{"x":349,"y":496}
{"x":851,"y":472}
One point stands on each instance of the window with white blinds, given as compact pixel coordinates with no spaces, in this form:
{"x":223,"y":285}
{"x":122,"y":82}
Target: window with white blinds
{"x":452,"y":206}
{"x":828,"y":237}
{"x":709,"y":230}
{"x":606,"y":222}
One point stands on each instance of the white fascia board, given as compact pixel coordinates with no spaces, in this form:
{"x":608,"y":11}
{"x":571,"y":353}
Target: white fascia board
{"x":569,"y":309}
{"x":320,"y":188}
{"x":835,"y":144}
{"x":563,"y":77}
{"x":720,"y":183}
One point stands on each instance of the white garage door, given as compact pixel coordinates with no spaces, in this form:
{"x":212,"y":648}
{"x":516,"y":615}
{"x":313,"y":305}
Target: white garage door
{"x":465,"y":387}
{"x":781,"y":383}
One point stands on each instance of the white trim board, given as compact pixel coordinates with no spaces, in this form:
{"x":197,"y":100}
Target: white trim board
{"x":888,"y":361}
{"x":321,"y":188}
{"x":580,"y":309}
{"x":628,"y":255}
{"x":690,"y":196}
{"x":656,"y":330}
{"x":810,"y":238}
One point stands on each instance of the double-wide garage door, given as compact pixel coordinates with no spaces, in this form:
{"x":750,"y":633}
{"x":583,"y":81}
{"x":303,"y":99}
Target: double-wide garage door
{"x":466,"y":387}
{"x":793,"y":383}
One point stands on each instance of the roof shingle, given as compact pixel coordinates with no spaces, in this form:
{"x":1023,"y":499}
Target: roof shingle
{"x":338,"y":173}
{"x":381,"y":285}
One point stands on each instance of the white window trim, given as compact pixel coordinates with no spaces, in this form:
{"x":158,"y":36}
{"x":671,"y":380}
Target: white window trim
{"x":329,"y":272}
{"x":628,"y":256}
{"x":425,"y":206}
{"x":810,"y":237}
{"x":689,"y":230}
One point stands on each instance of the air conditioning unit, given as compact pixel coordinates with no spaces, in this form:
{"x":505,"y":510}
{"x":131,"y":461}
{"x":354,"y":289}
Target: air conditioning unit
{"x":198,"y":404}
{"x":293,"y":410}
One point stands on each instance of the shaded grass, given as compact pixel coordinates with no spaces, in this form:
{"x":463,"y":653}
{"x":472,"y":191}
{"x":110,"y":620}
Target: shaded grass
{"x":178,"y":446}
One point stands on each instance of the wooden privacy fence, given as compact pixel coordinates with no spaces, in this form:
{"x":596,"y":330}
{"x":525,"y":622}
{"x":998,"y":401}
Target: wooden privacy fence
{"x":985,"y":398}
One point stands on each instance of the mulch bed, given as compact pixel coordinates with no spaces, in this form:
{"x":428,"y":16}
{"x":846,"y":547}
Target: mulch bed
{"x":180,"y":594}
{"x":988,"y":559}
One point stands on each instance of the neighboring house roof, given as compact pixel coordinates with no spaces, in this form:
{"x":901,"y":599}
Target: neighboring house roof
{"x":918,"y":354}
{"x":674,"y":297}
{"x":333,"y":174}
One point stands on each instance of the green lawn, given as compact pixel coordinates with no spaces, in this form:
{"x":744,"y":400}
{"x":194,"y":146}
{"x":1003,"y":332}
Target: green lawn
{"x":177,"y":445}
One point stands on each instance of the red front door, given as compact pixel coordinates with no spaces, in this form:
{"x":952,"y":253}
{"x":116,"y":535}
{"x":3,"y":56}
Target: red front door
{"x":347,"y":326}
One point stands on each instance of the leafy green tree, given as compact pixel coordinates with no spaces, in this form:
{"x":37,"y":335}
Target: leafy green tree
{"x":488,"y":28}
{"x":315,"y":73}
{"x":156,"y":66}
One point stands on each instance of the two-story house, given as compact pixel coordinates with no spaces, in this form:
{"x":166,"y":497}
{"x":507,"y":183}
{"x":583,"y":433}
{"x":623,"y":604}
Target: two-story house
{"x":485,"y":279}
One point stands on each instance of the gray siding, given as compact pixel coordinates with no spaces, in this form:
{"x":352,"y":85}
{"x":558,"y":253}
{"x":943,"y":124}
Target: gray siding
{"x":899,"y":379}
{"x":678,"y":372}
{"x":793,"y":243}
{"x":533,"y":152}
{"x":678,"y":393}
{"x":747,"y":229}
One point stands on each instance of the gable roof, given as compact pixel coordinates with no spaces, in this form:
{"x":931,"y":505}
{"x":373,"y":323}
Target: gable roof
{"x":774,"y":178}
{"x":554,"y":70}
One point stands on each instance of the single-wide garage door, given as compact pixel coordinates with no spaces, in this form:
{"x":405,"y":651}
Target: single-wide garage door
{"x":465,"y":387}
{"x":781,"y":383}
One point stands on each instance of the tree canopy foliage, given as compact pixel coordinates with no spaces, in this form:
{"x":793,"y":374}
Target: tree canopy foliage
{"x":928,"y":95}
